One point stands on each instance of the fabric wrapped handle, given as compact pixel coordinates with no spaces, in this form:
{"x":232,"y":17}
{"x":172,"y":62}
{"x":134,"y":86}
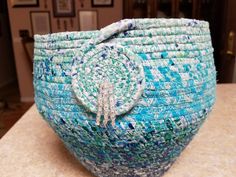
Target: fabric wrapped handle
{"x":115,"y":28}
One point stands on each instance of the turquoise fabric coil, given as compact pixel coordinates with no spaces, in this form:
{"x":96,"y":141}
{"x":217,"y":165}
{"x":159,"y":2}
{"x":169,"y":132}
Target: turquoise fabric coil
{"x":127,"y":99}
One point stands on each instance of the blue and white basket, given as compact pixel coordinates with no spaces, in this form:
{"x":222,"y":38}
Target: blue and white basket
{"x":126,"y":100}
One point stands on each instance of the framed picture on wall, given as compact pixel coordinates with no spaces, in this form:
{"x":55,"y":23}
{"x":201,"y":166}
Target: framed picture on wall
{"x":25,"y":3}
{"x":64,"y":8}
{"x":40,"y":22}
{"x":88,"y":20}
{"x":102,"y":3}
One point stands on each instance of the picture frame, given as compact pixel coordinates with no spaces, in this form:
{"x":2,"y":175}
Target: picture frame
{"x":40,"y":22}
{"x":64,"y":8}
{"x":102,"y":3}
{"x":25,"y":3}
{"x":88,"y":20}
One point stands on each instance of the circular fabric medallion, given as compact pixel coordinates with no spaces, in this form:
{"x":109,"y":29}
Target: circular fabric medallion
{"x":108,"y":62}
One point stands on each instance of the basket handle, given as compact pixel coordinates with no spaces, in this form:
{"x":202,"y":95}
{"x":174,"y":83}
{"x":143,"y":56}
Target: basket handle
{"x":115,"y":28}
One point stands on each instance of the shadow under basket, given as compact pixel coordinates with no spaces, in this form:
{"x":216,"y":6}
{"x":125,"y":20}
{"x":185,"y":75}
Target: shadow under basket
{"x":127,"y":99}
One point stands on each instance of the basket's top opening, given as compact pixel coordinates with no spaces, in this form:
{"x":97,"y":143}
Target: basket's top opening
{"x":140,"y":24}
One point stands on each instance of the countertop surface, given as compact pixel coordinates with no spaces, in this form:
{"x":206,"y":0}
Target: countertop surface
{"x":31,"y":148}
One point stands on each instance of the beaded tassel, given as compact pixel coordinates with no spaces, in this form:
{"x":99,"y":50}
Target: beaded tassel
{"x":100,"y":103}
{"x":106,"y":104}
{"x":112,"y":106}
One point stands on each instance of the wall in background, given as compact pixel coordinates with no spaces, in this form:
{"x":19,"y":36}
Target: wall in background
{"x":7,"y":66}
{"x":20,"y":19}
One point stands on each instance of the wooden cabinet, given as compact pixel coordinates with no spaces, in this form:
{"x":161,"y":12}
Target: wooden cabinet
{"x":187,"y":8}
{"x":139,"y":8}
{"x":165,"y":8}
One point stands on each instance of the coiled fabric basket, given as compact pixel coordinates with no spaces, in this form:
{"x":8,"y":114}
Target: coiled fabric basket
{"x":126,"y":100}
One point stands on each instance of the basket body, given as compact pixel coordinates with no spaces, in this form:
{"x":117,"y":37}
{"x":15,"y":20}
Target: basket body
{"x":180,"y":79}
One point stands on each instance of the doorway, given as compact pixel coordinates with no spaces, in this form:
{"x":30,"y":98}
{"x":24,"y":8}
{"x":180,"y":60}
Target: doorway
{"x":11,"y":109}
{"x":7,"y":64}
{"x":227,"y":50}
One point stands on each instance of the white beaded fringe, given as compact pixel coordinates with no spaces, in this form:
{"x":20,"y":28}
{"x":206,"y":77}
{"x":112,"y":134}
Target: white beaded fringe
{"x":106,"y":104}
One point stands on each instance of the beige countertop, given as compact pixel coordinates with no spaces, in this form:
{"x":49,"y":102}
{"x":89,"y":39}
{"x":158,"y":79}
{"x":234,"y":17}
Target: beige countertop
{"x":31,"y":148}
